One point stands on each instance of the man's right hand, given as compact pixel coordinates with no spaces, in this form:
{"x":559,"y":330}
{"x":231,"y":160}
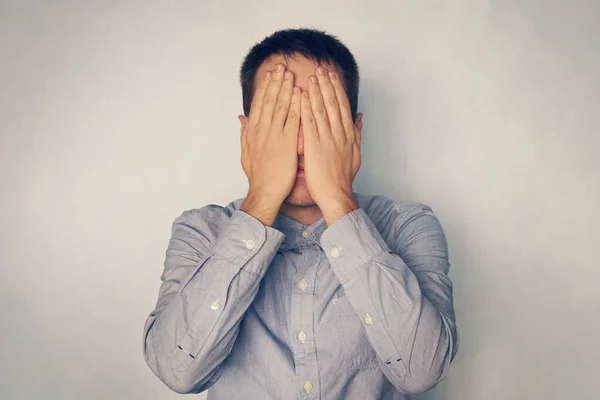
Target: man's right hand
{"x":269,"y":140}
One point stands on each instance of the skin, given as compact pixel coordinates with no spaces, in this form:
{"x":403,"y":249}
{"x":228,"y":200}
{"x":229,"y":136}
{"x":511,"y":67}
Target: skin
{"x":328,"y":144}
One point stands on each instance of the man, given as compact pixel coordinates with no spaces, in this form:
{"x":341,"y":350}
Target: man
{"x":303,"y":289}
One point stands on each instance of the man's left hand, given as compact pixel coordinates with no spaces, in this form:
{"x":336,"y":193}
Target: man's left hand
{"x":331,"y":145}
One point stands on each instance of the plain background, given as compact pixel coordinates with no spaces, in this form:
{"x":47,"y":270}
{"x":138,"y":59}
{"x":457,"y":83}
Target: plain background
{"x":115,"y":117}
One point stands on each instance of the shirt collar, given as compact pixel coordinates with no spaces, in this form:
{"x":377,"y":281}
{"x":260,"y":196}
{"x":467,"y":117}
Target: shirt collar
{"x":294,"y":230}
{"x":299,"y":235}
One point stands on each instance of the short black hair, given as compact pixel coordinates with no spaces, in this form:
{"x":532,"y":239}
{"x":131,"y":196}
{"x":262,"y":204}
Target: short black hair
{"x":313,"y":44}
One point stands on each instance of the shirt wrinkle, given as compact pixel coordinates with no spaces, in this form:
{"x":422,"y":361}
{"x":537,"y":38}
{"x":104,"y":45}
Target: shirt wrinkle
{"x":327,"y":313}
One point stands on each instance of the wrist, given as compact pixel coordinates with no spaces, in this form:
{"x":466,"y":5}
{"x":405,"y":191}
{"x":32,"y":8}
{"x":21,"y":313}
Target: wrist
{"x":263,"y":208}
{"x":336,"y":208}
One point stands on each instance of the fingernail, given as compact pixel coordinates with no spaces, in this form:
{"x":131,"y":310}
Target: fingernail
{"x":279,"y":67}
{"x":332,"y":75}
{"x":321,"y":71}
{"x":313,"y":79}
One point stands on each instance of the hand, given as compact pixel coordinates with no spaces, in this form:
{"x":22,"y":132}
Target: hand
{"x":269,"y":140}
{"x":331,"y":141}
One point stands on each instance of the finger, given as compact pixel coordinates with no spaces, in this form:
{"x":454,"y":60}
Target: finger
{"x":318,"y":107}
{"x":309,"y":125}
{"x":292,"y":124}
{"x":344,"y":104}
{"x":331,"y":102}
{"x":271,"y":95}
{"x":257,"y":99}
{"x":282,"y":106}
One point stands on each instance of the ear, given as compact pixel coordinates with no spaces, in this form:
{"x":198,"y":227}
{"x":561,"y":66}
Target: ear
{"x":358,"y":125}
{"x":358,"y":122}
{"x":243,"y":123}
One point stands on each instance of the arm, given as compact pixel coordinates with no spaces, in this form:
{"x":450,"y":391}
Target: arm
{"x":209,"y":280}
{"x":404,"y":300}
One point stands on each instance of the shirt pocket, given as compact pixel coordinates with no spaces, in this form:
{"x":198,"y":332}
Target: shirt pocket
{"x":356,"y":348}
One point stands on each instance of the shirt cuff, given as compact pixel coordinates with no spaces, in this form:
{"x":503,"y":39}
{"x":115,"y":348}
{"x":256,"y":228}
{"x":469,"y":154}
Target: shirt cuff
{"x":351,"y":242}
{"x":243,"y":238}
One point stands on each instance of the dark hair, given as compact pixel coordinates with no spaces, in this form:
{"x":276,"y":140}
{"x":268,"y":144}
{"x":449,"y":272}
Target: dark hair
{"x":313,"y":44}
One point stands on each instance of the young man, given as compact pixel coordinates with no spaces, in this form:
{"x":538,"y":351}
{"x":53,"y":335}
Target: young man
{"x":303,"y":289}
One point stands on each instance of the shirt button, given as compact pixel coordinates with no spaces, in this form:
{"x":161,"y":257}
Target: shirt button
{"x":305,"y":234}
{"x":307,"y":386}
{"x":250,"y":244}
{"x":335,"y":252}
{"x":215,"y":305}
{"x":368,"y":320}
{"x":302,"y":285}
{"x":302,"y":336}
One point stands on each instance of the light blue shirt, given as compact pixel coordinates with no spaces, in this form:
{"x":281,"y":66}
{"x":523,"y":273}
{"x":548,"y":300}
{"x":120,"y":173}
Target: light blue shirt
{"x":361,"y":309}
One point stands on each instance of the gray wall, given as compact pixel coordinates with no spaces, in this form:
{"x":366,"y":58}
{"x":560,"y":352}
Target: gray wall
{"x":115,"y":117}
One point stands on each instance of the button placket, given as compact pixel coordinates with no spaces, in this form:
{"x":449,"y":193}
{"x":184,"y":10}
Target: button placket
{"x":302,"y":336}
{"x":303,"y":343}
{"x":302,"y":284}
{"x":307,"y":386}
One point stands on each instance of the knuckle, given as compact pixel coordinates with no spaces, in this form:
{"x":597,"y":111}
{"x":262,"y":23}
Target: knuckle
{"x":320,"y":109}
{"x":334,"y":102}
{"x":268,"y":99}
{"x":281,"y":106}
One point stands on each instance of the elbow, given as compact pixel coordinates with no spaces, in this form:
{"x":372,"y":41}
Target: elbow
{"x":160,"y":361}
{"x":182,"y":378}
{"x":160,"y":364}
{"x":184,"y":383}
{"x":181,"y":386}
{"x":423,"y":376}
{"x":178,"y":381}
{"x":420,"y":383}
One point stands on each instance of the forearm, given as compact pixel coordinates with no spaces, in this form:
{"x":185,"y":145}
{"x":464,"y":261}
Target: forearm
{"x":405,"y":307}
{"x":196,"y":321}
{"x":188,"y":339}
{"x":420,"y":323}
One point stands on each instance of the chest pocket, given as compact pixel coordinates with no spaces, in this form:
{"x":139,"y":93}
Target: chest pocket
{"x":356,"y":349}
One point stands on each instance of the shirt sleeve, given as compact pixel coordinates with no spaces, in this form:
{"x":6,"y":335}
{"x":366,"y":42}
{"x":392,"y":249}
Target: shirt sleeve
{"x":208,"y":282}
{"x":403,"y":298}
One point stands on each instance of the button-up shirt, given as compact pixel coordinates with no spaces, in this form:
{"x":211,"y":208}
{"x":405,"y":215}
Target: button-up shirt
{"x":361,"y":309}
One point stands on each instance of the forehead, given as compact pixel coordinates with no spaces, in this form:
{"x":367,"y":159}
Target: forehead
{"x":301,"y":66}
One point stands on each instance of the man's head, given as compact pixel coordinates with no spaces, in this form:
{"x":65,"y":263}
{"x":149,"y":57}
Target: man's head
{"x":314,"y":45}
{"x":301,"y":50}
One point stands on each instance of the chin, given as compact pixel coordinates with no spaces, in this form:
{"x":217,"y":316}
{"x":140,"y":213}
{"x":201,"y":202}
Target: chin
{"x":300,"y":197}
